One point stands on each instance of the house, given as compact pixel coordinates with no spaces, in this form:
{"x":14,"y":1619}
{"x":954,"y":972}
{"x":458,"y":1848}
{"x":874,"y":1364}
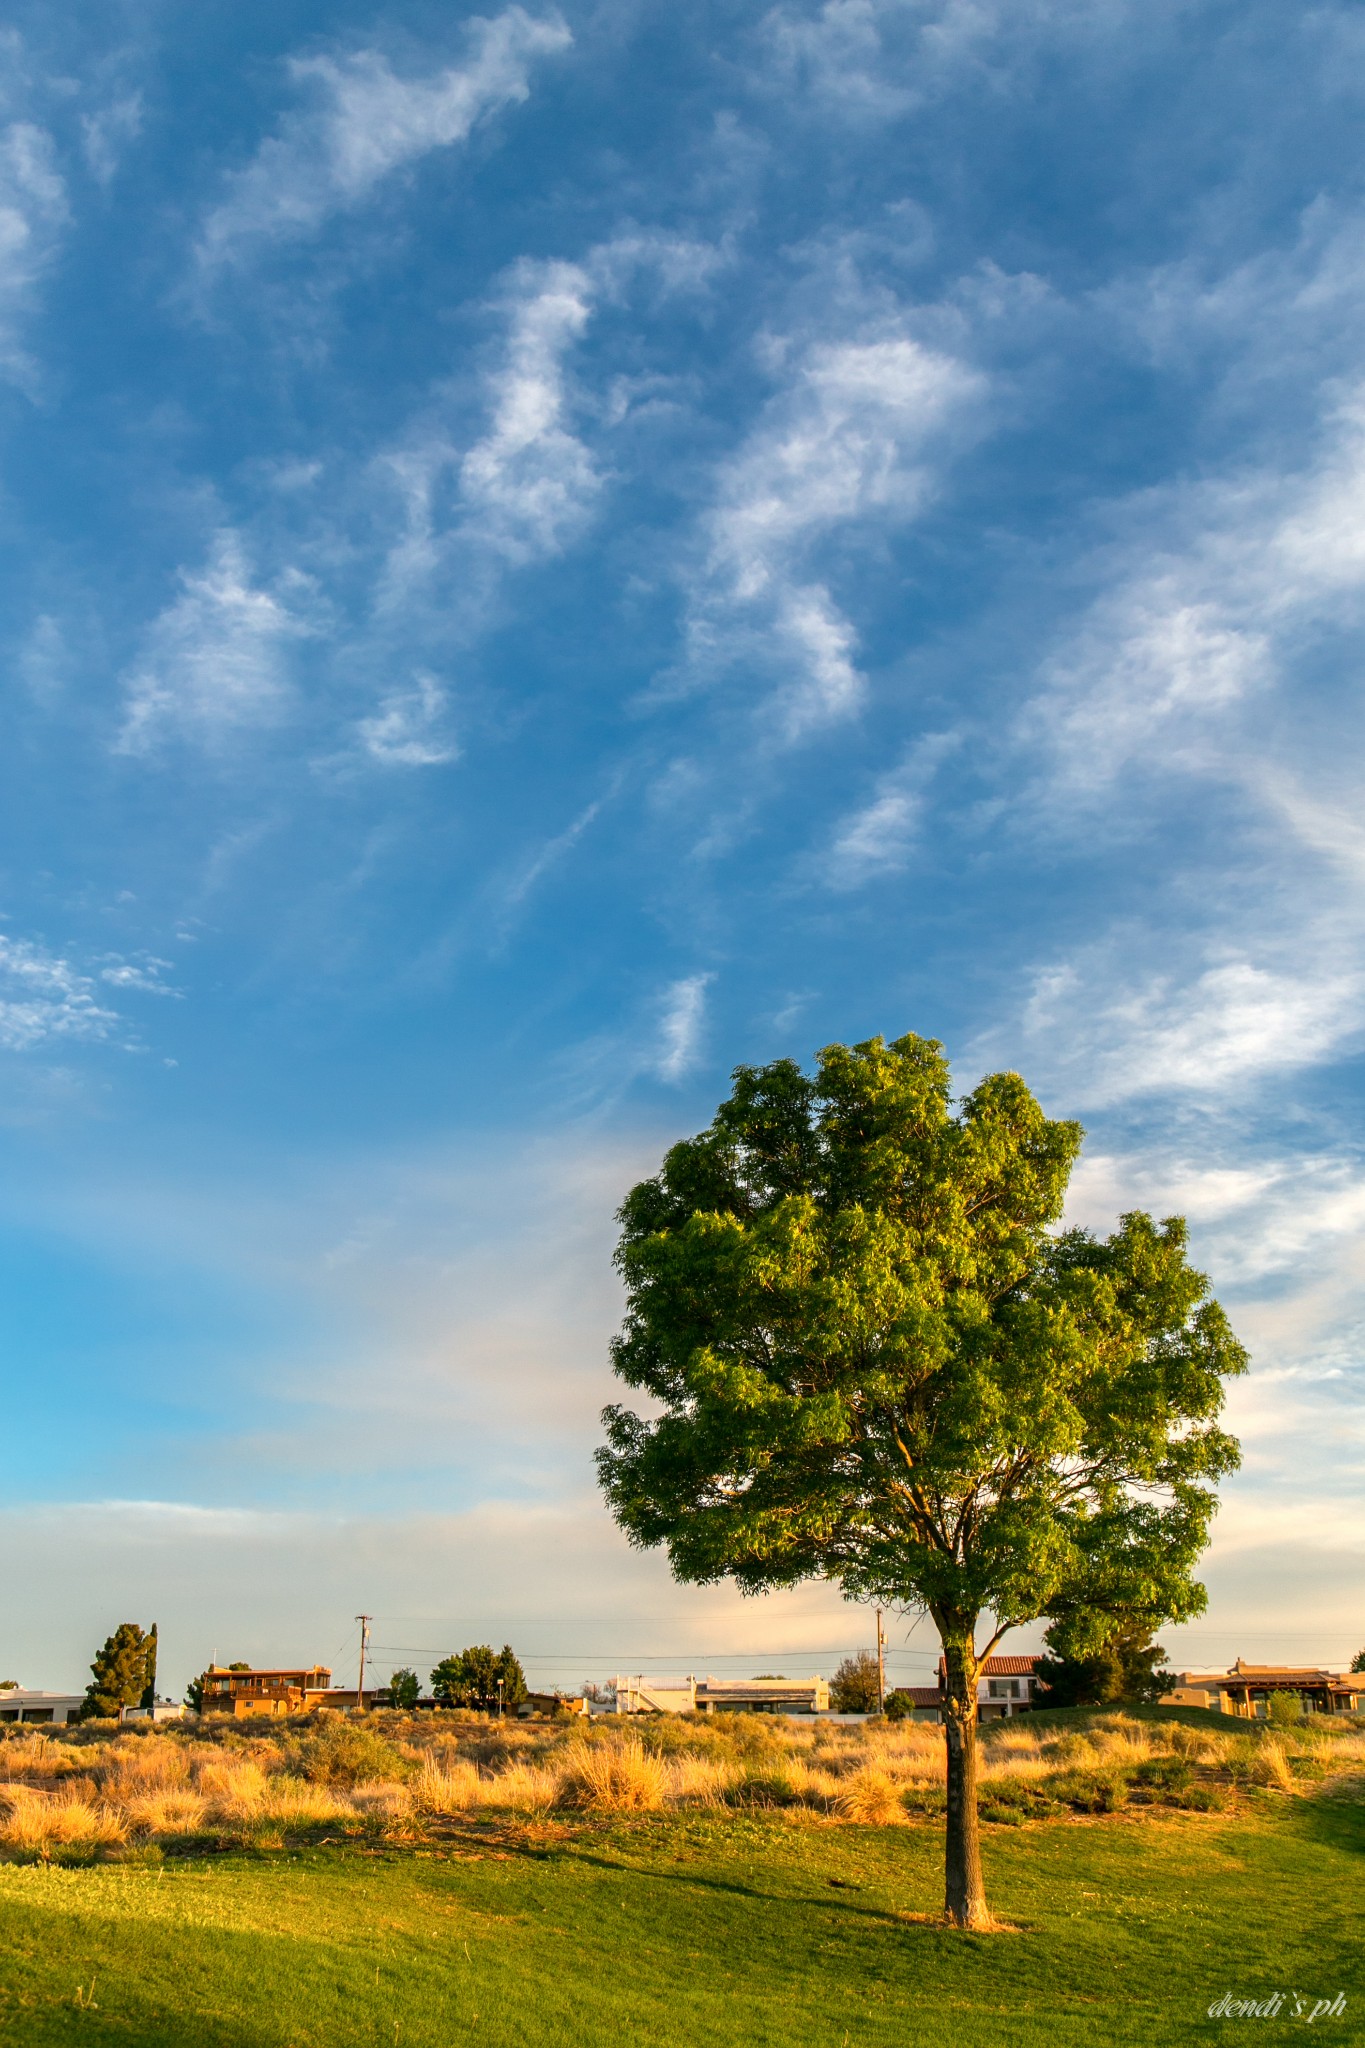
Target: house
{"x":22,"y":1703}
{"x":1004,"y":1686}
{"x":163,"y":1710}
{"x":1244,"y":1688}
{"x":266,"y":1692}
{"x":722,"y":1696}
{"x":923,"y":1702}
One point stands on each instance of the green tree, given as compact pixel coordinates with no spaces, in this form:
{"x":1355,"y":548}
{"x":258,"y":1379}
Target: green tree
{"x":194,"y":1693}
{"x":470,"y":1678}
{"x":1358,"y":1661}
{"x":854,"y":1688}
{"x":149,"y":1689}
{"x":119,"y":1672}
{"x":1126,"y":1667}
{"x":405,"y":1688}
{"x":873,"y":1356}
{"x":1284,"y":1709}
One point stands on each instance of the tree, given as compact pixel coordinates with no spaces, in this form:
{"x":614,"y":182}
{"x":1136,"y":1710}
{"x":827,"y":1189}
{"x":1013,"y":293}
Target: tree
{"x":470,"y":1679}
{"x":194,"y":1693}
{"x":404,"y":1689}
{"x":149,"y":1689}
{"x":119,"y":1674}
{"x":854,"y":1688}
{"x":874,"y":1357}
{"x":1284,"y":1709}
{"x":1127,"y":1667}
{"x":1358,"y":1661}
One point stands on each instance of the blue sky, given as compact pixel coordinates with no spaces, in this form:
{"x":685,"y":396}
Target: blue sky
{"x":546,"y":553}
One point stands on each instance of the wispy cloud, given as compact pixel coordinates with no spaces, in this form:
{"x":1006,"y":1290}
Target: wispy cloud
{"x":1108,"y":1035}
{"x":215,"y":661}
{"x":525,"y":487}
{"x":33,"y":211}
{"x":42,"y":996}
{"x":879,"y":838}
{"x":408,"y":729}
{"x":680,"y":1026}
{"x":849,"y":438}
{"x":1204,"y":617}
{"x":107,"y":134}
{"x":366,"y":123}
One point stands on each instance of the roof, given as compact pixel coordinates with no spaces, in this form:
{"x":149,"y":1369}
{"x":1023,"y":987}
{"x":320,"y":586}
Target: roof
{"x":1285,"y":1675}
{"x":999,"y":1667}
{"x":254,"y":1671}
{"x":920,"y":1695}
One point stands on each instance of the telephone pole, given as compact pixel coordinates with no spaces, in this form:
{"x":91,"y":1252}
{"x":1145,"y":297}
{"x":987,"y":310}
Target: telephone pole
{"x":881,"y":1665}
{"x":365,"y":1620}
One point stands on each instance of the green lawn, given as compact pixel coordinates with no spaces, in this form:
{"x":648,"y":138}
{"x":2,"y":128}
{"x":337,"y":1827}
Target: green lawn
{"x":692,"y":1930}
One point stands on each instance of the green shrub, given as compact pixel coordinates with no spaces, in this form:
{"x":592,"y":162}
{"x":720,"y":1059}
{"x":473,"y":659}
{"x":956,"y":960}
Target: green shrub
{"x":344,"y":1752}
{"x":1284,"y":1710}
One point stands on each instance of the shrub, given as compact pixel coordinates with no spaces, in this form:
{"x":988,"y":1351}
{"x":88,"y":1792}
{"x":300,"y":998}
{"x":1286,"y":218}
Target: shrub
{"x":870,"y":1797}
{"x":1284,"y":1709}
{"x":617,"y":1777}
{"x":347,"y":1753}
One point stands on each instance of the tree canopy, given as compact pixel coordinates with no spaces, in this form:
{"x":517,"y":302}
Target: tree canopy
{"x":471,"y":1677}
{"x":873,"y":1355}
{"x":122,"y":1671}
{"x":1126,"y":1667}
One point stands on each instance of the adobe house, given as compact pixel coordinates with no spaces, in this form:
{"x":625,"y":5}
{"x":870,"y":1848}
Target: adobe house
{"x":722,"y":1696}
{"x":25,"y":1703}
{"x":1244,"y":1689}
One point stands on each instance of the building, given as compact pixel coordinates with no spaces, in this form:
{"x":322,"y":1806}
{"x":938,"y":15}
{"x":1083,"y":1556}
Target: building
{"x":923,"y":1702}
{"x":1004,"y":1686}
{"x":267,"y":1692}
{"x":722,"y":1695}
{"x":1244,"y":1689}
{"x":22,"y":1703}
{"x":164,"y":1710}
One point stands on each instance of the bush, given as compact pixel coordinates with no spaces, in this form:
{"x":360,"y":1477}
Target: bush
{"x":344,"y":1753}
{"x":1284,"y":1709}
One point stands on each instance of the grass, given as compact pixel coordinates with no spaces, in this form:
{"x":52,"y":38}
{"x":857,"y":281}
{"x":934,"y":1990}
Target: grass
{"x":600,"y":1897}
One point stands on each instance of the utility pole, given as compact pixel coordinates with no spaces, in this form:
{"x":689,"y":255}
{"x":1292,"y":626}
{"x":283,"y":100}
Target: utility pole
{"x":881,"y":1665}
{"x":364,"y":1620}
{"x":500,"y":1685}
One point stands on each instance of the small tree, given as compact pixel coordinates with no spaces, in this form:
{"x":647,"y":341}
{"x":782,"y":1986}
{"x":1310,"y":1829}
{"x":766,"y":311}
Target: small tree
{"x":872,"y":1356}
{"x":194,"y":1693}
{"x":854,"y":1688}
{"x":405,"y":1689}
{"x":119,"y":1672}
{"x":1358,"y":1661}
{"x":471,"y":1679}
{"x":1127,"y":1667}
{"x":1284,"y":1709}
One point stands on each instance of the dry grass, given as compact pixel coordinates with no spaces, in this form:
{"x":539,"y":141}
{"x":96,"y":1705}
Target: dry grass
{"x":86,"y":1793}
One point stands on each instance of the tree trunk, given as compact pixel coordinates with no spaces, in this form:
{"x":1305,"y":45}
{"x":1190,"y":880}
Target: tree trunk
{"x":964,"y":1901}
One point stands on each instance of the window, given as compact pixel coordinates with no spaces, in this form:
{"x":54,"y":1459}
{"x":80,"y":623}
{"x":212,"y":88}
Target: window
{"x":1002,"y":1688}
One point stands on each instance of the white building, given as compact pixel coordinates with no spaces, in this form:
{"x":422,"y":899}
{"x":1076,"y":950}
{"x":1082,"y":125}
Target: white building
{"x":642,"y":1695}
{"x":22,"y":1703}
{"x":1005,"y":1686}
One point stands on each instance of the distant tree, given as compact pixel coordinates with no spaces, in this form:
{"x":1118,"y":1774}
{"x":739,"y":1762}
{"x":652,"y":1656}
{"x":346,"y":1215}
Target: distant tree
{"x":118,"y":1673}
{"x":1358,"y":1661}
{"x":149,"y":1690}
{"x":9,"y":1685}
{"x":871,"y":1354}
{"x":405,"y":1688}
{"x":1127,"y":1667}
{"x":853,"y":1688}
{"x":194,"y":1693}
{"x":470,"y":1679}
{"x":1283,"y":1709}
{"x":240,"y":1665}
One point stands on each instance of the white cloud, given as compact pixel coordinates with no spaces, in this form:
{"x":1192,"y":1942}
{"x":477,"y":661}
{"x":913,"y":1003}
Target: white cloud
{"x":680,"y":1027}
{"x":525,"y":487}
{"x":42,"y":996}
{"x":33,"y":211}
{"x":849,"y":439}
{"x":1202,"y":1031}
{"x":107,"y":133}
{"x":215,"y":661}
{"x":1203,"y":618}
{"x":406,"y":730}
{"x":367,"y":123}
{"x":879,"y":838}
{"x":143,"y":975}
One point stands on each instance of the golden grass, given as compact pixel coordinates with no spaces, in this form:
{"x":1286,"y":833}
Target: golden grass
{"x":91,"y":1792}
